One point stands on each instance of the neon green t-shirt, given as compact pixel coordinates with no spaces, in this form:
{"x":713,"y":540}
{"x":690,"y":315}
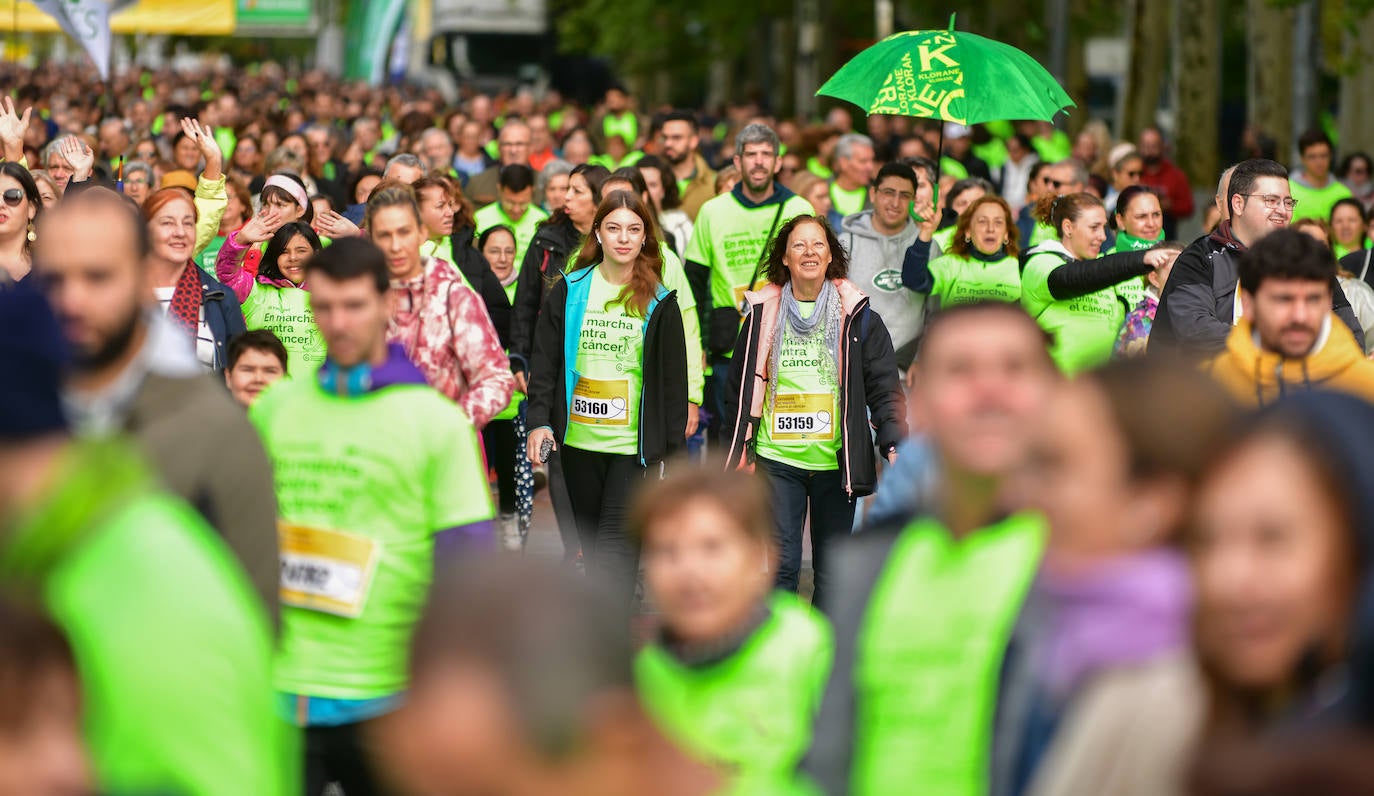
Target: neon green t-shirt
{"x":675,"y":278}
{"x":800,"y":424}
{"x":604,"y":415}
{"x":930,"y":651}
{"x":1084,"y":328}
{"x":1132,"y":291}
{"x":847,"y":203}
{"x":494,"y":215}
{"x":207,"y":258}
{"x":1040,"y":233}
{"x":729,"y":239}
{"x":966,"y":280}
{"x":816,"y":167}
{"x":1316,"y":202}
{"x":363,"y":485}
{"x":953,"y":168}
{"x":286,"y":311}
{"x":1053,"y":149}
{"x":626,"y":125}
{"x":752,"y":712}
{"x":943,"y":237}
{"x":994,"y":152}
{"x":1341,"y":251}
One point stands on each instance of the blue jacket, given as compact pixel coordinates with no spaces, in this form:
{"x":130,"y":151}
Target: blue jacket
{"x":222,"y":314}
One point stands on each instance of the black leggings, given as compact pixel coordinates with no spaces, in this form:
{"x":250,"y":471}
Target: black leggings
{"x":498,"y":439}
{"x":339,"y":754}
{"x":600,"y":486}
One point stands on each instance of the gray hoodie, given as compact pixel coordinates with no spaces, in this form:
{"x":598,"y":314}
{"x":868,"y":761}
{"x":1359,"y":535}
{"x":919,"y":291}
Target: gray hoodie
{"x":875,"y":265}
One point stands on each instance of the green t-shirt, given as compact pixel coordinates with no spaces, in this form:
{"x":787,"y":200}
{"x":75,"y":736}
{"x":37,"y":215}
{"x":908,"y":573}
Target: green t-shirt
{"x":286,"y":311}
{"x":363,"y":485}
{"x":847,"y":203}
{"x":966,"y":280}
{"x":626,"y":125}
{"x":729,"y":239}
{"x":929,"y":656}
{"x":1040,"y":233}
{"x":675,"y":278}
{"x":752,"y":712}
{"x":994,"y":152}
{"x":1341,"y":251}
{"x":1053,"y":149}
{"x":604,"y":415}
{"x":1084,"y":328}
{"x":800,"y":424}
{"x":494,"y":215}
{"x":207,"y":258}
{"x":1132,"y":291}
{"x":173,"y":646}
{"x":943,"y":237}
{"x":816,"y":167}
{"x":1316,"y":202}
{"x":953,"y":168}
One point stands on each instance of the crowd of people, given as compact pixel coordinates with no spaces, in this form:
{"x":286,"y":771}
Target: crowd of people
{"x":287,"y":360}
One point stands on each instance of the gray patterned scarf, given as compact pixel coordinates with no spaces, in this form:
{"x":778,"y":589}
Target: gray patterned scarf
{"x":825,"y":321}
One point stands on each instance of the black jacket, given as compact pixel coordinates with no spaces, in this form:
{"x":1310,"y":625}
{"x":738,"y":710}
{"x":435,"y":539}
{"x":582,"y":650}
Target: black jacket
{"x":223,"y":315}
{"x":544,"y":262}
{"x":663,"y":400}
{"x":871,"y":393}
{"x":475,"y":268}
{"x":1197,"y":305}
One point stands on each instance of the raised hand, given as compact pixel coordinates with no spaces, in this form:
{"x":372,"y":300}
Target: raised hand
{"x":262,"y":226}
{"x":209,"y":147}
{"x":929,"y":219}
{"x":333,"y":225}
{"x":12,"y":129}
{"x":79,"y":155}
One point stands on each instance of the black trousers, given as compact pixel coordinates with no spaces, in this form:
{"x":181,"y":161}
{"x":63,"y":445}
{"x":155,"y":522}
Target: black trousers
{"x":337,"y":754}
{"x":600,"y":486}
{"x":498,"y":439}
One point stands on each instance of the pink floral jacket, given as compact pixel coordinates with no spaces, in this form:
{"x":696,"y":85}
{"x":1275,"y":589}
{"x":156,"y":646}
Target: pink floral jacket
{"x":445,"y":330}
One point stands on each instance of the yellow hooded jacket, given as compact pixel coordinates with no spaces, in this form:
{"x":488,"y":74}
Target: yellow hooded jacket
{"x":1257,"y":377}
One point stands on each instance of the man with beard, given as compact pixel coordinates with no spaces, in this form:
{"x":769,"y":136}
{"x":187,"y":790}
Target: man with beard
{"x":1287,"y":339}
{"x":1160,"y":173}
{"x":728,"y":252}
{"x":696,"y":182}
{"x":135,"y":374}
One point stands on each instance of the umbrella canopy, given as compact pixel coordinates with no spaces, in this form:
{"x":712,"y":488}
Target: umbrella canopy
{"x":948,"y":75}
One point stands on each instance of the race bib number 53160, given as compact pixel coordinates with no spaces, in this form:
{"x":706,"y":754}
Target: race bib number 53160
{"x":601,"y":402}
{"x":325,"y":571}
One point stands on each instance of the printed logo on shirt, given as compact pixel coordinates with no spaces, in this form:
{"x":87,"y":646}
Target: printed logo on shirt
{"x":888,"y":280}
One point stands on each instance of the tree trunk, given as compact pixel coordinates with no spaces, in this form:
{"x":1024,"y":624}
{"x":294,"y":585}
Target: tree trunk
{"x":1357,"y":88}
{"x":1076,"y":64}
{"x":1197,"y":85}
{"x":1269,"y":100}
{"x":1149,"y":23}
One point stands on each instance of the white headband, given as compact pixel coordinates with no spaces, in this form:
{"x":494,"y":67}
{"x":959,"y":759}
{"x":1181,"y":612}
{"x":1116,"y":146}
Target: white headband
{"x":290,"y":186}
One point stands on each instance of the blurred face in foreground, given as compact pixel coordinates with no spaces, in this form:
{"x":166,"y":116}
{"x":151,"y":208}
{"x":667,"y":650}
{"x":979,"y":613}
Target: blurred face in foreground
{"x":706,"y":573}
{"x":1272,"y":564}
{"x":979,"y":388}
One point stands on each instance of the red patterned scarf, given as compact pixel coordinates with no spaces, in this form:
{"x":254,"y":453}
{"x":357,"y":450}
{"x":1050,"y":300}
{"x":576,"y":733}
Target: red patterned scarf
{"x":186,"y":298}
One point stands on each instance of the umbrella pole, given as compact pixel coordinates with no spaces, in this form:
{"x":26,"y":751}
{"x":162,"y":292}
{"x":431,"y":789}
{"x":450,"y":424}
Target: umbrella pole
{"x":939,"y":161}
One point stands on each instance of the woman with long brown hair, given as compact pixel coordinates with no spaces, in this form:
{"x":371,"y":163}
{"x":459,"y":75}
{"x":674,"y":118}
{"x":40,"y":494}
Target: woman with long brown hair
{"x":608,"y":380}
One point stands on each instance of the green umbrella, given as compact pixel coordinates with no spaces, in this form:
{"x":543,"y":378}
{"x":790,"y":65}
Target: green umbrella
{"x":948,"y":75}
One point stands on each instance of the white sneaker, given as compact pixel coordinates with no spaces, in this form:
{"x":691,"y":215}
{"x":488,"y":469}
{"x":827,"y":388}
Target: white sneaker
{"x":510,"y":533}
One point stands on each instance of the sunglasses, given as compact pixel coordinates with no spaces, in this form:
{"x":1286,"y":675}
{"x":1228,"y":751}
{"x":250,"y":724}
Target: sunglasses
{"x":12,"y":197}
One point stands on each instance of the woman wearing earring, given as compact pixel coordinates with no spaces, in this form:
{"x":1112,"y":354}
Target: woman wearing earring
{"x":812,"y":377}
{"x":980,"y":264}
{"x":608,"y":380}
{"x":1070,"y":291}
{"x":18,"y":211}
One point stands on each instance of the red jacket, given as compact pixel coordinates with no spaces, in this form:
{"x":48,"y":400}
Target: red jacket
{"x":1170,"y":180}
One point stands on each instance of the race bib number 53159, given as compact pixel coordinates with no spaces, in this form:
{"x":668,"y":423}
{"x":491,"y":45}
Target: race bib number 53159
{"x":803,"y":417}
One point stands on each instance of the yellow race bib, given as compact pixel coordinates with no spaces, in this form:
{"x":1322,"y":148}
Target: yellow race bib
{"x":325,"y":571}
{"x":601,"y":402}
{"x":803,"y":417}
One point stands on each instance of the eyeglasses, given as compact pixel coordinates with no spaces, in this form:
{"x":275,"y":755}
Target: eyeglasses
{"x":893,"y":193}
{"x":1272,"y":201}
{"x":12,"y":197}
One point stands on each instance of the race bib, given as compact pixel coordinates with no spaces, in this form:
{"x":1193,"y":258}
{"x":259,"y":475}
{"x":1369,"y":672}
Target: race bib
{"x":598,"y":402}
{"x":325,"y":571}
{"x":803,"y":417}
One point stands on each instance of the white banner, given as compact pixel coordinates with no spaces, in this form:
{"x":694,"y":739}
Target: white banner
{"x":87,"y":21}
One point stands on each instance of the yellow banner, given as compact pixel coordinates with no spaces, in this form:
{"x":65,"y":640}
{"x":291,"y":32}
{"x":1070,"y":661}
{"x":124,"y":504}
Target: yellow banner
{"x":195,"y":18}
